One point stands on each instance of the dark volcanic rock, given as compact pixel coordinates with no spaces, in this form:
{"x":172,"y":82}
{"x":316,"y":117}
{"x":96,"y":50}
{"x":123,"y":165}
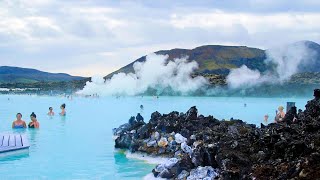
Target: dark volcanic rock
{"x":236,"y":150}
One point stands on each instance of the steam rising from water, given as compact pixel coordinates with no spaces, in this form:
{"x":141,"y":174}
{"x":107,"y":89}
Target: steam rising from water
{"x":154,"y":73}
{"x":161,"y":75}
{"x":286,"y":61}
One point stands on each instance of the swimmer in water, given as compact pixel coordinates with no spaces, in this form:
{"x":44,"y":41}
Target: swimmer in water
{"x":19,"y":123}
{"x":34,"y":122}
{"x":50,"y":113}
{"x":63,"y":110}
{"x":266,"y":117}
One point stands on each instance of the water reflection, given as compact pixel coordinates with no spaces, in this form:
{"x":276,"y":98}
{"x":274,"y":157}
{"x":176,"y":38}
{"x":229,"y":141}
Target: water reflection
{"x":14,"y":155}
{"x":33,"y":135}
{"x":63,"y":120}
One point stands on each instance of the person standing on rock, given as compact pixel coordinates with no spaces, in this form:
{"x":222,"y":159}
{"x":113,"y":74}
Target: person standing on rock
{"x":280,"y":114}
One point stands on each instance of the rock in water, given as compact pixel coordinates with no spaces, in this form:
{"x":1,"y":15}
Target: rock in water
{"x":206,"y":172}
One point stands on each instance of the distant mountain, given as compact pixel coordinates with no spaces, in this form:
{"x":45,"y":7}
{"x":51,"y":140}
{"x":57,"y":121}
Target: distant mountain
{"x":212,"y":59}
{"x":10,"y":74}
{"x":314,"y":57}
{"x":219,"y":60}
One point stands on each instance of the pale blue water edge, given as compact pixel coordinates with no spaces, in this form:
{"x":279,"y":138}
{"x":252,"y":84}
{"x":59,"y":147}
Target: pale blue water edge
{"x":80,"y":146}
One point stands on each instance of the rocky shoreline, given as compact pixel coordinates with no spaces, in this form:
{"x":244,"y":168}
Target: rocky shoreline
{"x":200,"y":147}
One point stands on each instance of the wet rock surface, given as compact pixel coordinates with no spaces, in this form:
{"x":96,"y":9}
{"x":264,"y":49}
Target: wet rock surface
{"x":200,"y":147}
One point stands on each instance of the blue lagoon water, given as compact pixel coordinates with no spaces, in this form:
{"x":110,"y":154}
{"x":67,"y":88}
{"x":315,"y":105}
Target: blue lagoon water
{"x":80,"y":145}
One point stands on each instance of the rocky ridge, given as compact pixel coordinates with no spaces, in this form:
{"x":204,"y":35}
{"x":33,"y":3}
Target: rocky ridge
{"x":200,"y":147}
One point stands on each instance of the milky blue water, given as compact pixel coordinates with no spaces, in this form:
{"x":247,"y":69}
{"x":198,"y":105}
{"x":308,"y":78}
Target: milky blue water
{"x":80,"y":145}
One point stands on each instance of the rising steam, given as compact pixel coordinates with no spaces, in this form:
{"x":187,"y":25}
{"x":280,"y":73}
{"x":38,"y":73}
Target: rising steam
{"x":285,"y":62}
{"x":156,"y":73}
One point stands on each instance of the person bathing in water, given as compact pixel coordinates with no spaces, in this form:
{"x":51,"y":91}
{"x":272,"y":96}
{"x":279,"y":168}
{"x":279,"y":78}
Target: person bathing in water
{"x":265,"y":120}
{"x":50,"y":113}
{"x":19,"y":123}
{"x":34,"y":122}
{"x":63,"y":110}
{"x":279,"y":114}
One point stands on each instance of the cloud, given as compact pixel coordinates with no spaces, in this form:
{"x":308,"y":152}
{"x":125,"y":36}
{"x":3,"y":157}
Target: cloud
{"x":73,"y":34}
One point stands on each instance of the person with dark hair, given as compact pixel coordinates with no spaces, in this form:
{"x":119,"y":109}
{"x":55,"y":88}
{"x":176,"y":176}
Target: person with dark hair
{"x":34,"y":122}
{"x":291,"y":116}
{"x":132,"y":120}
{"x":139,"y":118}
{"x":19,"y":123}
{"x":63,"y":109}
{"x":50,"y":113}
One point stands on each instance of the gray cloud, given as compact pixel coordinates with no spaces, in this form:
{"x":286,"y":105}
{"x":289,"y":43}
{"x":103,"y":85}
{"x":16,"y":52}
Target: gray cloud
{"x":100,"y":36}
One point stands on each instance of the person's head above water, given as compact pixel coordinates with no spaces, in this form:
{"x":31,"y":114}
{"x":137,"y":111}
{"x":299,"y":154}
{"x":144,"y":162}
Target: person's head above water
{"x":63,"y":106}
{"x":50,"y":108}
{"x":19,"y":116}
{"x":280,"y":108}
{"x":33,"y":116}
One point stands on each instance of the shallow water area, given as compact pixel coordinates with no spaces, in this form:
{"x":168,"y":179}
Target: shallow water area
{"x":80,"y":145}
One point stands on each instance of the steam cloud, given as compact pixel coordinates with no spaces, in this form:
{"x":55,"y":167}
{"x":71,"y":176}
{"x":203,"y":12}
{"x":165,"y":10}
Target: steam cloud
{"x":154,"y":73}
{"x":285,"y":60}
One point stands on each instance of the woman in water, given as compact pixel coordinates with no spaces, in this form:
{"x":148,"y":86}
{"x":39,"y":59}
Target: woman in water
{"x":63,"y":110}
{"x":34,"y":122}
{"x":50,"y":113}
{"x":19,"y":123}
{"x":279,"y":114}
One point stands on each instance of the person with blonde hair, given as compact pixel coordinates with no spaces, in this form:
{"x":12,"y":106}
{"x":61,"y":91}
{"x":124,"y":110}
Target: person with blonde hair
{"x":279,"y":114}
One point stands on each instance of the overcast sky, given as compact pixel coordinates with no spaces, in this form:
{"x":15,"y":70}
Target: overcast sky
{"x":96,"y":37}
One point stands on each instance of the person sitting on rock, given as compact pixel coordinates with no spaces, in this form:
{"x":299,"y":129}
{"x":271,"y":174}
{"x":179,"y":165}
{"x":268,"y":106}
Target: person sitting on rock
{"x":139,"y":118}
{"x":279,"y":115}
{"x":132,"y":120}
{"x":291,"y":116}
